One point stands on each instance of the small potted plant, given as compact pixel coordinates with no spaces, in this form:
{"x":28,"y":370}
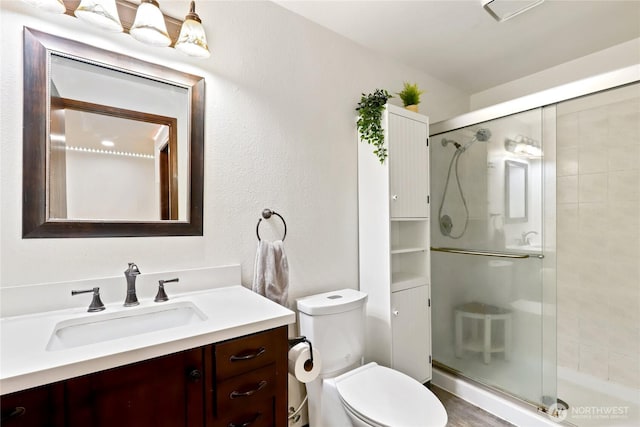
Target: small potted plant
{"x":370,"y":109}
{"x":410,"y":96}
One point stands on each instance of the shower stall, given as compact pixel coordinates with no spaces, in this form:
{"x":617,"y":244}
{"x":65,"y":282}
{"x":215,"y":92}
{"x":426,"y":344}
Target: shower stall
{"x":536,"y":249}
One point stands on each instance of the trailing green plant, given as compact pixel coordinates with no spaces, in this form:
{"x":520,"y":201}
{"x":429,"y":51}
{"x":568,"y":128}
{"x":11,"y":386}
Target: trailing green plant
{"x":410,"y":94}
{"x":370,"y":109}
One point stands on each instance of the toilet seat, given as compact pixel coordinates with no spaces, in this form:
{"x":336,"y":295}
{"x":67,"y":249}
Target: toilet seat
{"x":383,"y":397}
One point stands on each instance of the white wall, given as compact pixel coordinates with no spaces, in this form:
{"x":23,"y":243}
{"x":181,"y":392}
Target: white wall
{"x":613,"y":58}
{"x":280,"y":133}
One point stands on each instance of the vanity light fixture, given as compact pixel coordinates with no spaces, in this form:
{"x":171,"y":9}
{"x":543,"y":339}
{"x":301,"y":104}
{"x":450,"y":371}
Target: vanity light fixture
{"x":149,"y":26}
{"x":53,"y":6}
{"x":102,"y":13}
{"x":503,"y":10}
{"x":523,"y":145}
{"x":107,"y":143}
{"x":192,"y":39}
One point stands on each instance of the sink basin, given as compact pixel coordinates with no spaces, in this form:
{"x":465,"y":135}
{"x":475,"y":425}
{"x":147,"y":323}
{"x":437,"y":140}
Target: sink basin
{"x":128,"y":322}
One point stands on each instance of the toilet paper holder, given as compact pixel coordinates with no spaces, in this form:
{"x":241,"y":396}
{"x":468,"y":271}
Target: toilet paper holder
{"x":297,"y":340}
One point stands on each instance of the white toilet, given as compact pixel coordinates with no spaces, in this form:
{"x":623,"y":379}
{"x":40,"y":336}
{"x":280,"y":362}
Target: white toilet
{"x":346,"y":393}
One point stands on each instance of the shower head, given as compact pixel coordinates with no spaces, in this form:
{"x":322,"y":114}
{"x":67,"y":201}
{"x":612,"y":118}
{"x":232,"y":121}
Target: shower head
{"x":483,"y":135}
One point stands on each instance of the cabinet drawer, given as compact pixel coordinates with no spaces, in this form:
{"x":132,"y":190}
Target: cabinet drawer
{"x":259,"y":414}
{"x":245,"y":391}
{"x":245,"y":354}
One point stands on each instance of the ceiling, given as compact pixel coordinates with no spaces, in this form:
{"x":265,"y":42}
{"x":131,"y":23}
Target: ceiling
{"x":459,"y":43}
{"x":88,"y":130}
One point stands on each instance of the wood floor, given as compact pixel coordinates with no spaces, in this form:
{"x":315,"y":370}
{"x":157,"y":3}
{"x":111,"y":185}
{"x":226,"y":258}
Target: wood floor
{"x":463,"y":414}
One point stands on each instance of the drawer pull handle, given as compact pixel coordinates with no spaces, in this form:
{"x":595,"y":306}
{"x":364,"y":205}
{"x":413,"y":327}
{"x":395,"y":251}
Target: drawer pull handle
{"x":247,"y":423}
{"x":258,"y":352}
{"x":236,"y":394}
{"x":18,"y":411}
{"x":195,"y":375}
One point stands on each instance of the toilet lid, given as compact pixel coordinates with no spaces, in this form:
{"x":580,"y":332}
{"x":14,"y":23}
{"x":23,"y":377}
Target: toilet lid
{"x":389,"y":398}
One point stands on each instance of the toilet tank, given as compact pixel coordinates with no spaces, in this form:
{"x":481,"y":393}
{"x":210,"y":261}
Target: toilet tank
{"x":334,"y":323}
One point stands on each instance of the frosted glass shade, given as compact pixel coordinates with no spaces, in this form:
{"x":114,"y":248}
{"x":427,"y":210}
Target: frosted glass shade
{"x":193,"y":40}
{"x":149,"y":26}
{"x":102,"y":13}
{"x":53,"y":6}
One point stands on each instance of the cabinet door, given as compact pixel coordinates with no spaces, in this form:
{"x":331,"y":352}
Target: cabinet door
{"x":408,"y":167}
{"x":166,"y":391}
{"x":36,"y":407}
{"x":411,"y":332}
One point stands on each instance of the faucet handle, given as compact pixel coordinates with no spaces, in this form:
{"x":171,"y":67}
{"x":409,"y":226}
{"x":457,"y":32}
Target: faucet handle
{"x":132,"y":269}
{"x":162,"y":295}
{"x":96,"y":302}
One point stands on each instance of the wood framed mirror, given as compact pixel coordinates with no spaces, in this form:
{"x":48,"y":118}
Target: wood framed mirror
{"x":112,"y":146}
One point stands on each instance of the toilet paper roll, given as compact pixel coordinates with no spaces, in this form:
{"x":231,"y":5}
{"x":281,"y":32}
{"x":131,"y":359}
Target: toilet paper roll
{"x":300,"y":365}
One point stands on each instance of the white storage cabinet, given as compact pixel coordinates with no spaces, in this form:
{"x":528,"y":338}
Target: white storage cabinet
{"x":393,"y":203}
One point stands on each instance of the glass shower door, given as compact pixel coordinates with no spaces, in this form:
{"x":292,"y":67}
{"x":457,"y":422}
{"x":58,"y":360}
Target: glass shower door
{"x":487,"y":254}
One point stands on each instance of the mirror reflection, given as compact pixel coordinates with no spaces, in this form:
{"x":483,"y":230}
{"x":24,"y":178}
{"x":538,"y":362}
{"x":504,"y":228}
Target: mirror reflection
{"x":515,"y":191}
{"x":118,"y":146}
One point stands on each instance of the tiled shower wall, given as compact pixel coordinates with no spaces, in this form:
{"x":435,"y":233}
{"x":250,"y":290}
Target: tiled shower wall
{"x":598,"y":235}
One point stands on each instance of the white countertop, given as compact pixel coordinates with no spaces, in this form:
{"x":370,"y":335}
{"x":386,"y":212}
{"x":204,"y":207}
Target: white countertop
{"x":25,"y":362}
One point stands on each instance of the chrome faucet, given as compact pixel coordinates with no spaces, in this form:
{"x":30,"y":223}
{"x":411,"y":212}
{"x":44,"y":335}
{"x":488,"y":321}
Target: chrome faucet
{"x":130,"y":274}
{"x":526,"y":240}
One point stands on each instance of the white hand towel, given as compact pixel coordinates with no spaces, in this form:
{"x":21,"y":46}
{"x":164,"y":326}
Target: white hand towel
{"x":271,"y":272}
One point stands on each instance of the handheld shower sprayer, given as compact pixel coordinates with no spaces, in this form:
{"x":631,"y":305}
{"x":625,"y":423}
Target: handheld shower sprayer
{"x":446,"y":223}
{"x":483,"y":135}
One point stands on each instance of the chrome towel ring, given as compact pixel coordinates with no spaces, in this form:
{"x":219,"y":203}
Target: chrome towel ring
{"x":266,"y":214}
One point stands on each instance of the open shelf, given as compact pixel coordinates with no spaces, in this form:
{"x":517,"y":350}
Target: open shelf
{"x":403,"y":280}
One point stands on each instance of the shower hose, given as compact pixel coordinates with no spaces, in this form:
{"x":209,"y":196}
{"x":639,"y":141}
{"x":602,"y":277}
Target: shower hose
{"x":453,"y":165}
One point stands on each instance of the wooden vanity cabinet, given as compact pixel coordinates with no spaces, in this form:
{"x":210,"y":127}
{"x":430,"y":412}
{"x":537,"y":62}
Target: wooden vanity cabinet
{"x":36,"y":407}
{"x":239,"y":382}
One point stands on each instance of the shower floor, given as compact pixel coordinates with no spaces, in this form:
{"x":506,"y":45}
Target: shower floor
{"x":518,"y":377}
{"x":596,"y":403}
